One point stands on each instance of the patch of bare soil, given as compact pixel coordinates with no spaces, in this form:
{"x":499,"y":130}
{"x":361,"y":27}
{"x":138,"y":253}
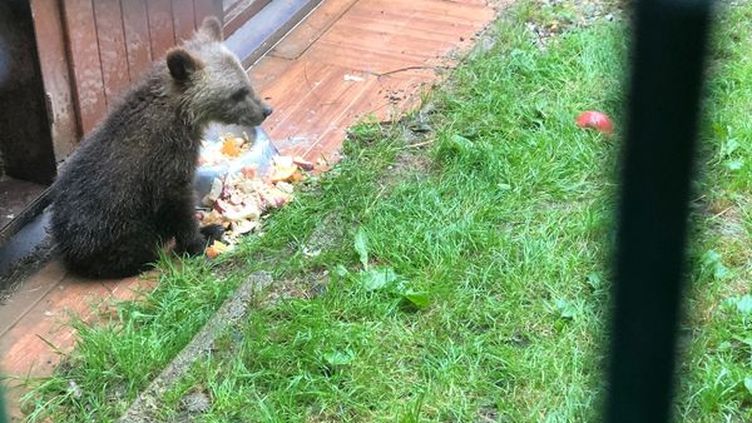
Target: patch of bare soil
{"x":488,"y":415}
{"x":330,"y":231}
{"x":412,"y":159}
{"x":583,"y":13}
{"x":306,"y":287}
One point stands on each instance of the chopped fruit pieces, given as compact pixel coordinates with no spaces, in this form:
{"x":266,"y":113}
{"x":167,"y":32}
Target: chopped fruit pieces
{"x":216,"y":249}
{"x":237,"y":200}
{"x":231,"y":146}
{"x":249,"y":172}
{"x":596,"y":120}
{"x":221,"y":153}
{"x":302,"y":163}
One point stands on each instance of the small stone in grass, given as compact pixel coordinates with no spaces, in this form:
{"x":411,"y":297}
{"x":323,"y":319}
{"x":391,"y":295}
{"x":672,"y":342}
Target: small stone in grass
{"x":196,"y":402}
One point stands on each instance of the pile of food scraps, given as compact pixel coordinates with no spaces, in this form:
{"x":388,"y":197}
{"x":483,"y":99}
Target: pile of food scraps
{"x":238,"y":200}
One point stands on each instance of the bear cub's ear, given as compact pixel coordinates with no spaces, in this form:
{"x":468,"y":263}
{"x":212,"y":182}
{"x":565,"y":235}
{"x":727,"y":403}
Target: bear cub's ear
{"x":181,"y":64}
{"x":211,"y":29}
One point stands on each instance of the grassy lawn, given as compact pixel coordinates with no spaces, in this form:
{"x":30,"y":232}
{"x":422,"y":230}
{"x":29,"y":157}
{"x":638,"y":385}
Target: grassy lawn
{"x":464,"y":280}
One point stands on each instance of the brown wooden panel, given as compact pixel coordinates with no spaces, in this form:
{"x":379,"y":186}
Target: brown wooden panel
{"x":53,"y":60}
{"x":84,"y":55}
{"x":383,"y":42}
{"x":319,"y":111}
{"x":161,"y":28}
{"x":385,"y":99}
{"x":298,"y":41}
{"x":112,"y":51}
{"x":204,"y":8}
{"x":290,"y":90}
{"x":29,"y":294}
{"x":137,"y":41}
{"x":23,"y":345}
{"x":316,"y":105}
{"x":183,"y":19}
{"x":435,"y":10}
{"x":41,"y":306}
{"x":266,"y":72}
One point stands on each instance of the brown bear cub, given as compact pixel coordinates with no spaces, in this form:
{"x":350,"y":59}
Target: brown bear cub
{"x":129,"y":188}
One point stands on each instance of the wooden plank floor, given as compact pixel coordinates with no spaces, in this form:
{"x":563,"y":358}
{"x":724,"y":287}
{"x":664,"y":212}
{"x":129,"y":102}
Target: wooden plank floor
{"x":347,"y":60}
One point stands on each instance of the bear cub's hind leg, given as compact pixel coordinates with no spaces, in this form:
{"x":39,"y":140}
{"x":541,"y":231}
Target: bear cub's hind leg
{"x":128,"y":257}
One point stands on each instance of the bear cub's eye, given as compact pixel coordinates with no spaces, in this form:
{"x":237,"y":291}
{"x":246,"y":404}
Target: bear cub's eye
{"x":240,"y":94}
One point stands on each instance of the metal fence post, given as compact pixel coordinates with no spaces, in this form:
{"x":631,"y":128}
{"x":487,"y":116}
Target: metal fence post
{"x":667,"y":76}
{"x":3,"y":417}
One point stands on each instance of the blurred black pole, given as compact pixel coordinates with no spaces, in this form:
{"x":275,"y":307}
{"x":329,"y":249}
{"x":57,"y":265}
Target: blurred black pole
{"x":3,"y":418}
{"x":667,"y":77}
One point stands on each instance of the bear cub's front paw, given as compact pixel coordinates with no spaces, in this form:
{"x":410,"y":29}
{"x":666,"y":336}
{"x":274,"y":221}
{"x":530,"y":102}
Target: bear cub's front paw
{"x":207,"y":235}
{"x":213,"y":232}
{"x":192,"y":248}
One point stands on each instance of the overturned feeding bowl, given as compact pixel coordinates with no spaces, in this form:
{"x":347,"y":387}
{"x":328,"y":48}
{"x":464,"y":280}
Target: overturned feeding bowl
{"x":240,"y":177}
{"x":254,"y":150}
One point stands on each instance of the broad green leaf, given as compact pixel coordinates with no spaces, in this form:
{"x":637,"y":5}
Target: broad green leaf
{"x":735,"y":164}
{"x":341,"y":271}
{"x":566,"y":309}
{"x":594,"y":280}
{"x":339,"y":358}
{"x":418,"y":299}
{"x":748,"y":384}
{"x":729,"y":147}
{"x":744,"y":304}
{"x":712,"y":259}
{"x":461,"y":141}
{"x":361,"y":246}
{"x":721,"y":271}
{"x":747,"y":341}
{"x":377,"y":278}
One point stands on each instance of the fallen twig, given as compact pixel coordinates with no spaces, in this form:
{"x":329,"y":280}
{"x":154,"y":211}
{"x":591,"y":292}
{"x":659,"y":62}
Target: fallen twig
{"x":418,"y":145}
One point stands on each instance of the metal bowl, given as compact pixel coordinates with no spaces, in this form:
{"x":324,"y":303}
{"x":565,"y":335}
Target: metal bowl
{"x":259,"y":156}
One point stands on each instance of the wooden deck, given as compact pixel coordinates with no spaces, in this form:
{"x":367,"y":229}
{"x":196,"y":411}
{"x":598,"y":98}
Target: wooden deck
{"x":348,"y":59}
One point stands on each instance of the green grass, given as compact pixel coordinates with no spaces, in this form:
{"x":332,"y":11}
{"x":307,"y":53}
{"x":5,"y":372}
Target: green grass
{"x":464,"y":283}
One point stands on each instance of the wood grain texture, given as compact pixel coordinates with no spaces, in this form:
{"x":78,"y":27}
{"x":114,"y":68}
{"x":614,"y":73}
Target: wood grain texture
{"x":137,"y":37}
{"x":31,"y":345}
{"x":305,"y":34}
{"x":53,"y":60}
{"x":90,"y":98}
{"x":161,"y":27}
{"x":184,"y":19}
{"x":112,"y":48}
{"x":204,"y":8}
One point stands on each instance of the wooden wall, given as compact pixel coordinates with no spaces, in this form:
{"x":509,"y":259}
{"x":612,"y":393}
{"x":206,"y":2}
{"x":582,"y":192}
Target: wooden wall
{"x":92,"y":50}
